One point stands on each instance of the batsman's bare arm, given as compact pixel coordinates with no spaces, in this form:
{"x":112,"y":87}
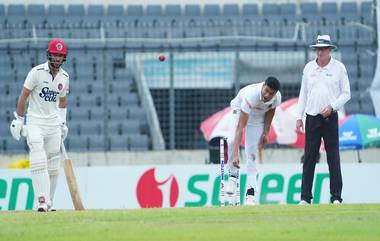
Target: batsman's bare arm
{"x":22,"y":101}
{"x":267,"y":123}
{"x":62,"y":102}
{"x":243,"y":119}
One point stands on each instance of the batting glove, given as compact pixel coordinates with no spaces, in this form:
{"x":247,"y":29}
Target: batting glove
{"x":64,"y":131}
{"x":16,"y":126}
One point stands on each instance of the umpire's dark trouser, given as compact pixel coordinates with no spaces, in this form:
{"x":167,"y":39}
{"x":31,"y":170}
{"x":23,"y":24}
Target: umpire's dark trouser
{"x":316,"y":128}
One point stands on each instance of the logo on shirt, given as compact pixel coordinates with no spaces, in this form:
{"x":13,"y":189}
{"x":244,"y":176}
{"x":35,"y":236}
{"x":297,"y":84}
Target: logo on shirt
{"x":60,"y":86}
{"x":48,"y":95}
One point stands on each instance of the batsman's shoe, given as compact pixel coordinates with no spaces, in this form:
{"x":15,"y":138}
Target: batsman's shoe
{"x":250,"y":198}
{"x":42,"y":206}
{"x":303,"y":203}
{"x":336,"y":202}
{"x":231,"y":185}
{"x":51,"y":208}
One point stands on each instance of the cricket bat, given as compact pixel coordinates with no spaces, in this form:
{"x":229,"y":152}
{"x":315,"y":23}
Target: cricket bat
{"x":71,"y":180}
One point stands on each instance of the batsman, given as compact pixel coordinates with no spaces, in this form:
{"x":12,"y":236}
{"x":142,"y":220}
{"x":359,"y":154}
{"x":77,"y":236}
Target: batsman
{"x":253,"y":109}
{"x":45,"y":88}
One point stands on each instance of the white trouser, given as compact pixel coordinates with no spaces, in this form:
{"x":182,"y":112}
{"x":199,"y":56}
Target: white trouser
{"x":253,"y":134}
{"x":44,"y":146}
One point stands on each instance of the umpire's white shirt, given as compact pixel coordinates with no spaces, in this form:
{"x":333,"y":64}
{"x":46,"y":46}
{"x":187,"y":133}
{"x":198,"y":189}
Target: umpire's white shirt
{"x":45,"y":93}
{"x":323,"y":86}
{"x":250,"y":101}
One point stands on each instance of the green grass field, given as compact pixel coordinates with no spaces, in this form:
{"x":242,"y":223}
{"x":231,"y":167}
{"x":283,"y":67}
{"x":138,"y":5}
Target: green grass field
{"x":281,"y":222}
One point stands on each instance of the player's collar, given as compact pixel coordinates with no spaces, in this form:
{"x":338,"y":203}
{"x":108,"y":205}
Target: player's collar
{"x":328,"y":66}
{"x":47,"y":68}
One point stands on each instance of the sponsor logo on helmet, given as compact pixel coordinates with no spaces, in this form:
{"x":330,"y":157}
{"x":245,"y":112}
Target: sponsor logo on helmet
{"x":59,"y":46}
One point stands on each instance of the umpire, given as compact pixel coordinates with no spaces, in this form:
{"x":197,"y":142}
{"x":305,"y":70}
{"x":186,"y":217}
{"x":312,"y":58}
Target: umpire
{"x":324,"y":90}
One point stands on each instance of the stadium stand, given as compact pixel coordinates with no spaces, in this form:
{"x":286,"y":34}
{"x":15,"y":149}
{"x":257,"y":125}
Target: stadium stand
{"x":106,"y":112}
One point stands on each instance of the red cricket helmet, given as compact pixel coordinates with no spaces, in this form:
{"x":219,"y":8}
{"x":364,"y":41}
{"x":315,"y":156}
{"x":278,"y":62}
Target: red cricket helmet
{"x":57,"y":46}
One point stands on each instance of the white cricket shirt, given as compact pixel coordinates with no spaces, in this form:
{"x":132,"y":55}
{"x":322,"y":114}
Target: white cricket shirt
{"x":45,"y":93}
{"x":250,"y":101}
{"x":322,"y":87}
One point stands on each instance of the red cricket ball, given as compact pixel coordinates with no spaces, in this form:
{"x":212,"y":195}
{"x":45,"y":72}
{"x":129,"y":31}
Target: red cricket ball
{"x":161,"y":57}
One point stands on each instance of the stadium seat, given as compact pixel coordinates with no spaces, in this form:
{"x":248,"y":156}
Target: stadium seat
{"x":95,"y":10}
{"x":56,"y":10}
{"x":349,"y":8}
{"x":138,"y":142}
{"x":4,"y":128}
{"x":77,"y":143}
{"x":349,"y":12}
{"x":329,"y":8}
{"x":55,"y":16}
{"x":352,"y":71}
{"x":13,"y":146}
{"x":348,"y":35}
{"x":250,"y":9}
{"x":96,"y":113}
{"x":309,"y":9}
{"x":96,"y":143}
{"x":126,"y":100}
{"x":75,"y":10}
{"x":153,"y":10}
{"x":16,"y":16}
{"x":211,"y":10}
{"x":173,"y":10}
{"x":287,"y":9}
{"x":366,"y":71}
{"x":2,"y":10}
{"x":367,"y":13}
{"x":16,"y":10}
{"x":36,"y":15}
{"x":366,"y":59}
{"x":9,"y":100}
{"x":117,"y":114}
{"x":114,"y":128}
{"x":74,"y":20}
{"x":119,"y":127}
{"x":6,"y":114}
{"x":36,"y":10}
{"x":365,"y":36}
{"x":94,"y":128}
{"x":118,"y":143}
{"x":231,"y":10}
{"x":270,"y":9}
{"x":78,"y":114}
{"x":74,"y":126}
{"x":192,"y":10}
{"x":364,"y":84}
{"x":135,"y":11}
{"x":366,"y":8}
{"x":352,"y":107}
{"x":366,"y":100}
{"x":115,"y":10}
{"x":95,"y":88}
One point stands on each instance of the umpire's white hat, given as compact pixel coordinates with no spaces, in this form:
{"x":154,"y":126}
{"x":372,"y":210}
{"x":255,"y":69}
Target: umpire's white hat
{"x":323,"y":41}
